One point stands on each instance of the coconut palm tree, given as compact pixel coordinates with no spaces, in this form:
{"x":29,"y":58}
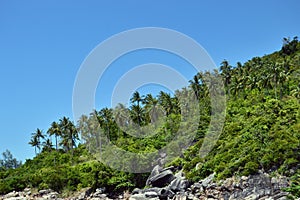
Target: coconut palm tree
{"x":36,"y":139}
{"x":136,"y":98}
{"x":69,"y":133}
{"x":225,"y":69}
{"x":121,"y":115}
{"x":56,"y":131}
{"x":47,"y":145}
{"x":34,"y":143}
{"x":152,"y":108}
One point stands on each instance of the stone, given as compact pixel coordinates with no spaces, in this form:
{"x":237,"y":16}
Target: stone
{"x":136,"y":191}
{"x":252,"y":197}
{"x":155,"y":171}
{"x":162,"y":179}
{"x":44,"y":192}
{"x":207,"y":180}
{"x":151,"y":194}
{"x":165,"y":193}
{"x":196,"y":186}
{"x":178,"y":184}
{"x":141,"y":197}
{"x":11,"y":194}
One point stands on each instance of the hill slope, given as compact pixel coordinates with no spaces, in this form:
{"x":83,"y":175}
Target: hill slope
{"x":261,"y":131}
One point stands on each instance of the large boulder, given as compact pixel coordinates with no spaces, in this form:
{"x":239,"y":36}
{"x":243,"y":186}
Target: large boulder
{"x":162,"y":179}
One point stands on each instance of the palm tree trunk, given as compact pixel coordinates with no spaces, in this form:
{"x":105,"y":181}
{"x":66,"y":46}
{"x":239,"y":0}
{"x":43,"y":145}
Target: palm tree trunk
{"x":56,"y":142}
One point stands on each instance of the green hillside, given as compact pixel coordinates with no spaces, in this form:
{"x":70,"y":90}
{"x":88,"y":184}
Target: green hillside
{"x":261,"y":131}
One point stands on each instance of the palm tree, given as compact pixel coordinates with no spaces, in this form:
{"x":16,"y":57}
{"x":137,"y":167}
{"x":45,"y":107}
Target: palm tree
{"x":136,"y":108}
{"x":47,"y":145}
{"x":106,"y":121}
{"x":195,"y":85}
{"x":69,"y":133}
{"x":225,"y":69}
{"x":56,"y":131}
{"x":226,"y":74}
{"x":35,"y":143}
{"x":36,"y":139}
{"x":152,"y":108}
{"x":121,"y":115}
{"x":136,"y":98}
{"x":137,"y":114}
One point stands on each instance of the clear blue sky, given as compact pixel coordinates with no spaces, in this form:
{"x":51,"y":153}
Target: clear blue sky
{"x":43,"y":43}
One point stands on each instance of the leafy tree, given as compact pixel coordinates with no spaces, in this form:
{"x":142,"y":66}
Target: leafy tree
{"x":8,"y":161}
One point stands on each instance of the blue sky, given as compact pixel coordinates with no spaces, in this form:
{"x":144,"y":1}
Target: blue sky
{"x":43,"y":43}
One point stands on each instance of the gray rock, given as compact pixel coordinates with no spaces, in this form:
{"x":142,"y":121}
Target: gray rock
{"x":151,"y":194}
{"x":136,"y":191}
{"x":155,"y":171}
{"x":207,"y":180}
{"x":16,"y":198}
{"x":178,"y":184}
{"x":141,"y":197}
{"x":166,"y":193}
{"x":162,"y":179}
{"x":51,"y":195}
{"x":252,"y":197}
{"x":43,"y":192}
{"x":11,"y":194}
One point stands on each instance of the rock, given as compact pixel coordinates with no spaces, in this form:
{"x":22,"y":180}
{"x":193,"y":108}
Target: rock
{"x":16,"y":198}
{"x":155,"y":171}
{"x":141,"y":197}
{"x":165,"y":193}
{"x":44,"y":192}
{"x":281,"y":195}
{"x":207,"y":180}
{"x":136,"y":191}
{"x":162,"y":179}
{"x":252,"y":197}
{"x":179,"y":183}
{"x":11,"y":194}
{"x":151,"y":194}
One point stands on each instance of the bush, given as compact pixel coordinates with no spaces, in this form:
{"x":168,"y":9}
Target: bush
{"x":250,"y":168}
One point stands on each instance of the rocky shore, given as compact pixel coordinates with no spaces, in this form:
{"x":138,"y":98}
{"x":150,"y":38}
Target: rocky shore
{"x":165,"y":184}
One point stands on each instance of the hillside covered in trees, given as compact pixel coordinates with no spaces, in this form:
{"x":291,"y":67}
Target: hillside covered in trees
{"x":261,"y":131}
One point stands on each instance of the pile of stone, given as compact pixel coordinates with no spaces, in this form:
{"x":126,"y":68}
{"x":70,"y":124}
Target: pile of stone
{"x":161,"y":184}
{"x":164,"y":185}
{"x":26,"y":194}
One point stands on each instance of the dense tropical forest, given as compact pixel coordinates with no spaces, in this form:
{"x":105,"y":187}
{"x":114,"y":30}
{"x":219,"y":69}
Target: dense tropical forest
{"x":261,"y":131}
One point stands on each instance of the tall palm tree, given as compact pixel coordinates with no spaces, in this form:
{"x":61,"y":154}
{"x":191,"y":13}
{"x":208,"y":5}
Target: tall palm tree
{"x":226,"y":74}
{"x":106,"y":121}
{"x":152,"y":108}
{"x":121,"y":115}
{"x":137,"y":111}
{"x":56,"y":131}
{"x":137,"y":114}
{"x":170,"y":104}
{"x":35,"y":143}
{"x":136,"y":98}
{"x":36,"y":138}
{"x":195,"y":84}
{"x":69,"y":133}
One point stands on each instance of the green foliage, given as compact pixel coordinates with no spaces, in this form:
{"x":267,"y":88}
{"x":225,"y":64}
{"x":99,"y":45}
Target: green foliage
{"x":261,"y":131}
{"x":8,"y":161}
{"x":294,"y":189}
